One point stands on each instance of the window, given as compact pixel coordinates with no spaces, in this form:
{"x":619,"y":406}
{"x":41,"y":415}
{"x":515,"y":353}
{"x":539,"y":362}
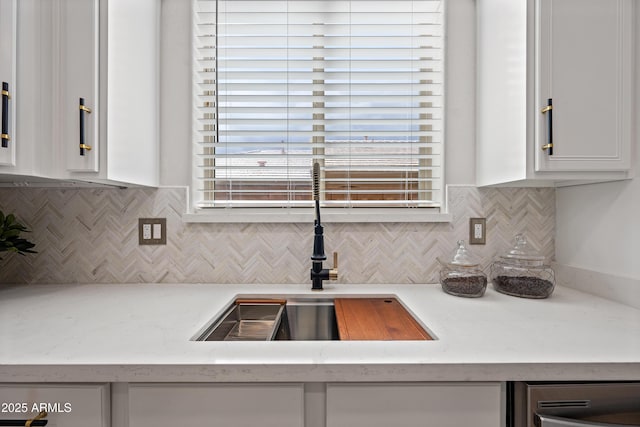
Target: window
{"x":354,"y":85}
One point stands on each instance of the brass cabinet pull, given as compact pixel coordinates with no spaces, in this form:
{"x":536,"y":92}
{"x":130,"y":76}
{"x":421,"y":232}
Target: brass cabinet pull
{"x":83,"y":145}
{"x":38,"y":420}
{"x":40,"y":416}
{"x":6,"y":96}
{"x":548,"y":110}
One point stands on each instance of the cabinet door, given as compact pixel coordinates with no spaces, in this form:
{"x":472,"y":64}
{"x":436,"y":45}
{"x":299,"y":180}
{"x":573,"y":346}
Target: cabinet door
{"x":68,"y":405}
{"x":79,"y":43}
{"x":276,"y":405}
{"x":8,"y":20}
{"x":584,"y":65}
{"x":419,"y":404}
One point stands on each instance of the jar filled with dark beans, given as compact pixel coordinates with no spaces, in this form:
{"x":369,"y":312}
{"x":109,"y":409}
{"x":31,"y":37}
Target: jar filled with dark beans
{"x":461,"y":275}
{"x":521,"y":272}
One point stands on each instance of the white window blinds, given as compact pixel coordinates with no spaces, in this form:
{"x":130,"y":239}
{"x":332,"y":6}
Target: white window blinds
{"x":355,"y":85}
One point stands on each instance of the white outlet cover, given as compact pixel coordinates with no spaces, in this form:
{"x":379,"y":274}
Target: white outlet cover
{"x":146,"y":231}
{"x":157,"y":231}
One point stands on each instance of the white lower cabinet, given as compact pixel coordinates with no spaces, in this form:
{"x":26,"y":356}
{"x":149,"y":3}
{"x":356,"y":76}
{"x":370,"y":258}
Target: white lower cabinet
{"x":430,"y":404}
{"x":311,"y":405}
{"x":212,"y":405}
{"x":67,"y":405}
{"x":415,"y":404}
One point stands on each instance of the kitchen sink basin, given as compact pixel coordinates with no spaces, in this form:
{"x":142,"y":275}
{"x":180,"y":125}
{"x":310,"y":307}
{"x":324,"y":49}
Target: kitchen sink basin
{"x":268,"y":320}
{"x":246,"y":321}
{"x":308,"y":321}
{"x":314,"y":319}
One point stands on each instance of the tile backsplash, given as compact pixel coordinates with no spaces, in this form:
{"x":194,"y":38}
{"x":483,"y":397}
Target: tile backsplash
{"x":91,"y":236}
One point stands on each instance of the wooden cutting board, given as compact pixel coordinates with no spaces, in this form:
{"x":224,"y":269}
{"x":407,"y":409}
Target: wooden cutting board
{"x":376,"y":319}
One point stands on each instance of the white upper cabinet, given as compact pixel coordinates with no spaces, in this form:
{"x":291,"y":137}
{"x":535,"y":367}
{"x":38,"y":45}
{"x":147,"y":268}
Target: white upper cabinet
{"x":88,"y":75}
{"x":8,"y":21}
{"x":585,"y":66}
{"x":130,"y":94}
{"x":79,"y":110}
{"x":109,"y":102}
{"x":576,"y":55}
{"x":26,"y":52}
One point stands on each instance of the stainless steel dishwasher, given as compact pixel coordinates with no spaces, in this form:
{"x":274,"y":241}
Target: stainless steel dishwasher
{"x":575,"y":404}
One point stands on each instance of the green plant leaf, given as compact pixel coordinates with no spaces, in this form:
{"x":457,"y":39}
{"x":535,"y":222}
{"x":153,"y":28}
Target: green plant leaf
{"x":11,"y":233}
{"x":10,"y":240}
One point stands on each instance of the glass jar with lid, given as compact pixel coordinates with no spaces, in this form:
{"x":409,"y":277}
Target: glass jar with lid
{"x":521,"y":272}
{"x":461,"y":275}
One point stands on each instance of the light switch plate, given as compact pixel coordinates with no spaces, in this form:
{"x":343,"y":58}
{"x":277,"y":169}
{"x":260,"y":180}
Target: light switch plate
{"x":477,"y":231}
{"x":152,"y":231}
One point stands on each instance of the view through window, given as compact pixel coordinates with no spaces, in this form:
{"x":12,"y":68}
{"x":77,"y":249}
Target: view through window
{"x":354,"y":85}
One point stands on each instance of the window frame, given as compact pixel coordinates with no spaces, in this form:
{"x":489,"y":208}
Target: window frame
{"x":290,"y":214}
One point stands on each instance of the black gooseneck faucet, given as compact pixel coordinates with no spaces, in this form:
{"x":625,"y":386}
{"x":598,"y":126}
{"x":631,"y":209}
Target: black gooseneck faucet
{"x":319,"y":274}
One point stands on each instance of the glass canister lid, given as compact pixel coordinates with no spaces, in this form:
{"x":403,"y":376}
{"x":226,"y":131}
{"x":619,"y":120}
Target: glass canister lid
{"x":461,"y":257}
{"x":521,"y":252}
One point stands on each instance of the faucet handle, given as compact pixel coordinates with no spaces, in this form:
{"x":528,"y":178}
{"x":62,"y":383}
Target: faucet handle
{"x":333,"y":273}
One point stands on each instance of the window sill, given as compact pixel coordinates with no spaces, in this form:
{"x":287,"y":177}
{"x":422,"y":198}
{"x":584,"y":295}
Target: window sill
{"x":293,"y":215}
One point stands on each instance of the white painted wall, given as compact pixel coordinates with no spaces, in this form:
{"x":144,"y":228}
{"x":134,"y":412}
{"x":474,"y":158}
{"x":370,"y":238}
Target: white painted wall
{"x":175,"y":110}
{"x":598,"y":225}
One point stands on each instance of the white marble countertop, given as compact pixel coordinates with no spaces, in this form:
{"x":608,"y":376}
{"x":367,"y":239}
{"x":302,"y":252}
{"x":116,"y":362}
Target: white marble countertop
{"x":131,"y":333}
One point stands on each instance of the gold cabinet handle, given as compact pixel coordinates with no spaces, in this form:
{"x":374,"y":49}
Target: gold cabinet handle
{"x":40,"y":416}
{"x":83,"y":109}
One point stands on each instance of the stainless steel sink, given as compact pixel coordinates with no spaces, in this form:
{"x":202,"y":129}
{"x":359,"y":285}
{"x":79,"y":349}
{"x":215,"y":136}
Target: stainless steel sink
{"x":308,"y":320}
{"x":245,"y":322}
{"x":298,"y":320}
{"x":302,"y":318}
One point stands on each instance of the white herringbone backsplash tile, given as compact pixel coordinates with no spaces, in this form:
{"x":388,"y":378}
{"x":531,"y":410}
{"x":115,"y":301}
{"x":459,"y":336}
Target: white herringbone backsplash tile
{"x":91,"y":236}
